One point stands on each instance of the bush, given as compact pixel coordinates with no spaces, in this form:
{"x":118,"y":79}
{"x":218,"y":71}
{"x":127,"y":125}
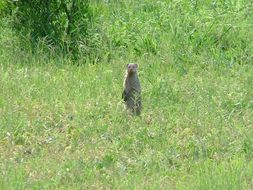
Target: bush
{"x":5,"y":7}
{"x":65,"y":24}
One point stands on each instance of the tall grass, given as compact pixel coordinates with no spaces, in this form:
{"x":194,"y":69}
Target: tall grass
{"x":64,"y":126}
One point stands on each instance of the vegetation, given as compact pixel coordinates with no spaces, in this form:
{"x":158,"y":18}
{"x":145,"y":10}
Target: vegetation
{"x":63,"y":123}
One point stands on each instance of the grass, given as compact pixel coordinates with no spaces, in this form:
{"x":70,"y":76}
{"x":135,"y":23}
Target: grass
{"x":64,"y":126}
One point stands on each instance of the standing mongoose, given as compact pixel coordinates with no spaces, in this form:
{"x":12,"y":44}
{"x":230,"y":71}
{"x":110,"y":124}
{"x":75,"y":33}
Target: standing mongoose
{"x":132,"y":89}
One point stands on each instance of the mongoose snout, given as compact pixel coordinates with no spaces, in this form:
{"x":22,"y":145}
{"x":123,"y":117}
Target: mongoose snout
{"x":131,"y":68}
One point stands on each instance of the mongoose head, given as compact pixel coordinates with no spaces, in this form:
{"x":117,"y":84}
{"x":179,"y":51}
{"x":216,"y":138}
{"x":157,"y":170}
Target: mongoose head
{"x":132,"y":68}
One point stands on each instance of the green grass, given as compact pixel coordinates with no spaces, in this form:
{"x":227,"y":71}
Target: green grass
{"x":64,"y":126}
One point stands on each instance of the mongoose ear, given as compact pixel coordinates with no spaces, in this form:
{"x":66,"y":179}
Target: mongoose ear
{"x":127,"y":65}
{"x":136,"y":65}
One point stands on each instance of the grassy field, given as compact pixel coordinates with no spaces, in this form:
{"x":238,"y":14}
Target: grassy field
{"x":64,"y":126}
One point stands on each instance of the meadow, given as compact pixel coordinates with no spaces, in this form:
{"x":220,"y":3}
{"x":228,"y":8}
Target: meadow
{"x":63,"y":124}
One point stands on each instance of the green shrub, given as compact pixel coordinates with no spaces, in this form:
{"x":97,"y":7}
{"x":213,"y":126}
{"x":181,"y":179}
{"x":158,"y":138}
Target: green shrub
{"x":5,"y":7}
{"x":62,"y":24}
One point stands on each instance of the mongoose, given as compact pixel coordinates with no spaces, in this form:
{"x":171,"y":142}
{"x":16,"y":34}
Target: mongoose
{"x":132,"y":89}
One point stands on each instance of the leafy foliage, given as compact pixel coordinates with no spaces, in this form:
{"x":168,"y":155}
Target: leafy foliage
{"x":62,"y":23}
{"x":5,"y":7}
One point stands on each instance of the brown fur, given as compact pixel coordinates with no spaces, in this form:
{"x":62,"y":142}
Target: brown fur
{"x":132,"y":89}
